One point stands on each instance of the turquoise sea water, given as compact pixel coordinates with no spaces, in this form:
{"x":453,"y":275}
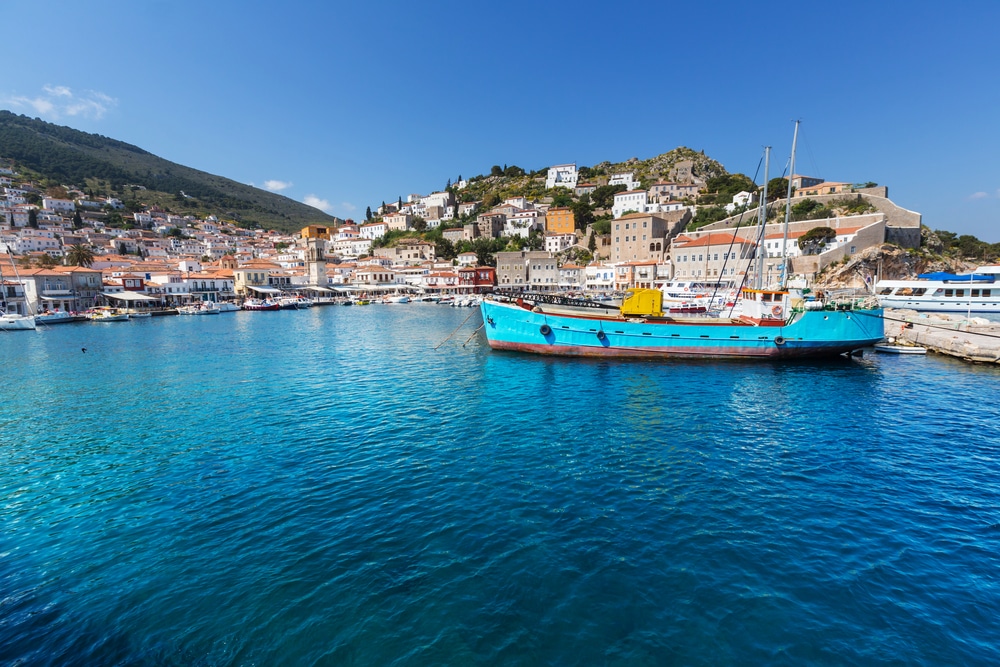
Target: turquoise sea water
{"x":323,"y":487}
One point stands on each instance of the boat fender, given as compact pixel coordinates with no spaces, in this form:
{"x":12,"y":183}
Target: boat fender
{"x":776,"y":310}
{"x":779,"y":340}
{"x":601,"y":335}
{"x":545,"y":329}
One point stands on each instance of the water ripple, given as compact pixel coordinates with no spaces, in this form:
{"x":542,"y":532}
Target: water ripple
{"x":326,"y":487}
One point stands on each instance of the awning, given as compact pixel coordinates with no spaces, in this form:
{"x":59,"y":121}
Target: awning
{"x":265,"y":290}
{"x":68,"y":297}
{"x":951,"y":277}
{"x":129,"y":296}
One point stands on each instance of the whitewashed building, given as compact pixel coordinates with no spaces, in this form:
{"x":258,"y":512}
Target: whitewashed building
{"x":636,"y":201}
{"x":562,"y":176}
{"x":599,"y":277}
{"x":555,"y":243}
{"x":373,"y":230}
{"x":522,"y":223}
{"x":627,"y":179}
{"x":59,"y":205}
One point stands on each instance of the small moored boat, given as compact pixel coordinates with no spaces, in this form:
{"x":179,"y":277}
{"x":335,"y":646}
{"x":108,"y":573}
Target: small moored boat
{"x":896,"y":348}
{"x":107,"y":314}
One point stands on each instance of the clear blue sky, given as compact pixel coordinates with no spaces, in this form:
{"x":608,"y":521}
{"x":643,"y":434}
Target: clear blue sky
{"x":349,"y":104}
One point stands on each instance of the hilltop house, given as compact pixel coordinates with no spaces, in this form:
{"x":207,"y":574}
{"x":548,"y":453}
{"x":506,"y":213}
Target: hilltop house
{"x":562,"y":176}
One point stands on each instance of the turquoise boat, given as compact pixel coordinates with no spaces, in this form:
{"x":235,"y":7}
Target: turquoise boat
{"x":771,"y":325}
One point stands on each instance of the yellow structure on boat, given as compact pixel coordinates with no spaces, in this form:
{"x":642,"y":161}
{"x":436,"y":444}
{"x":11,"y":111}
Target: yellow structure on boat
{"x":641,"y":302}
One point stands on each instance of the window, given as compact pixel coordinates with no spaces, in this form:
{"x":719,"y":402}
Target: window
{"x":626,"y":225}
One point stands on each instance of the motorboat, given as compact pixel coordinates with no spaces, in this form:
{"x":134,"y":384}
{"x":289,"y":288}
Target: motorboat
{"x":896,"y":348}
{"x":107,"y":314}
{"x":57,"y":317}
{"x":15,"y":322}
{"x":261,"y":304}
{"x":942,"y":292}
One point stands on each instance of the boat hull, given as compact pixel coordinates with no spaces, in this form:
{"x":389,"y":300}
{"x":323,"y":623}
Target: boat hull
{"x":808,"y":334}
{"x":17,"y":323}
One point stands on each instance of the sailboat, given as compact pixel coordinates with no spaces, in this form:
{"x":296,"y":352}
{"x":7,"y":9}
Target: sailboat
{"x":13,"y":321}
{"x":773,"y":323}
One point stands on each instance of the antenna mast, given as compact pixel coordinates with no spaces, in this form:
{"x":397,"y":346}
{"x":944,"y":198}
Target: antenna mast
{"x":788,"y":210}
{"x":762,"y":219}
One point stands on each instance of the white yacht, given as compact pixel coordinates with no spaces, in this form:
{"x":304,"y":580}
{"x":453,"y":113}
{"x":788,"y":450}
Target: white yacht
{"x":15,"y":322}
{"x":977,"y":292}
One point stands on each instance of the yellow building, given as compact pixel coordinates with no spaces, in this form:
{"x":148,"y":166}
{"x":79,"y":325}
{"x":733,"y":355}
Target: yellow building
{"x":317,"y":232}
{"x":560,"y":221}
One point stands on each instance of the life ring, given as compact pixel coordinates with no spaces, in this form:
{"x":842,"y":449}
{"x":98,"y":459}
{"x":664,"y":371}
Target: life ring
{"x":779,"y":340}
{"x":776,"y":310}
{"x":601,"y":335}
{"x":545,"y":329}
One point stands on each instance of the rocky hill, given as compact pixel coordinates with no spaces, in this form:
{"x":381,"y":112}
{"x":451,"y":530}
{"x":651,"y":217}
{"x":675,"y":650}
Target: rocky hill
{"x":889,"y":262}
{"x":662,"y":167}
{"x":681,"y":164}
{"x":91,"y":162}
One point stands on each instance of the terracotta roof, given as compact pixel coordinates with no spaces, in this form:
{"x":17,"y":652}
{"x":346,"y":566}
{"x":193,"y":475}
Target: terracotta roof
{"x":710,"y":240}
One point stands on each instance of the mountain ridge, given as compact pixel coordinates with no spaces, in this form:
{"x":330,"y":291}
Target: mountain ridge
{"x":77,"y":158}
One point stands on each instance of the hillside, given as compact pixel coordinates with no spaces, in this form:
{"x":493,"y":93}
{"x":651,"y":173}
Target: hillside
{"x":505,"y":182}
{"x":64,"y":156}
{"x":661,"y":167}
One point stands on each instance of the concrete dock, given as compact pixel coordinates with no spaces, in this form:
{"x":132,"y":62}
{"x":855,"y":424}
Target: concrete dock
{"x":972,"y":339}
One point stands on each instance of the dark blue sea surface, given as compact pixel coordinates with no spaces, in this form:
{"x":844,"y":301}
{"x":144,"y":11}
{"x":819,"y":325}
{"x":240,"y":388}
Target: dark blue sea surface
{"x":324,"y":487}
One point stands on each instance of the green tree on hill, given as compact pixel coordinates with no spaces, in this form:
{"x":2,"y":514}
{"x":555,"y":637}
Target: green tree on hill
{"x":603,"y":196}
{"x":583,"y":212}
{"x":722,"y":189}
{"x":80,"y":255}
{"x":562,"y":199}
{"x":777,"y":188}
{"x":810,"y":209}
{"x":813,"y":241}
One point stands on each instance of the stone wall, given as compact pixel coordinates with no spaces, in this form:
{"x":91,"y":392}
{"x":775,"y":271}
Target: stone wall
{"x":810,"y":265}
{"x":902,"y":226}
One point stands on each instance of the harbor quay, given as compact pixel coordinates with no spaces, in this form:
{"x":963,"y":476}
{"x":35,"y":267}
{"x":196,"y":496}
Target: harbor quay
{"x":967,"y":337}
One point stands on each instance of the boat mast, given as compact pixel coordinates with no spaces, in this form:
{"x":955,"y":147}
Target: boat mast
{"x":762,"y":219}
{"x":788,"y":210}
